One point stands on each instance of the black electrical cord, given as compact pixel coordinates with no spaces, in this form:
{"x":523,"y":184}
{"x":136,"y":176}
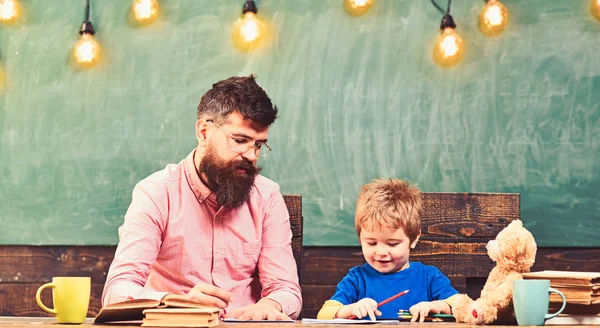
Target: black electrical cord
{"x":447,"y":20}
{"x":87,"y":10}
{"x":440,"y":8}
{"x":86,"y":26}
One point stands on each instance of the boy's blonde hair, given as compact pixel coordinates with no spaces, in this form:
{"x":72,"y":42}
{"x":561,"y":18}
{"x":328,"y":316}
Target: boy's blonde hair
{"x":389,"y":203}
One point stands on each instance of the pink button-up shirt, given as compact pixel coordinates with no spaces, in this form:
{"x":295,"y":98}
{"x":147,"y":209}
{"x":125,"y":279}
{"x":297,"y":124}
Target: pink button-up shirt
{"x":175,"y":237}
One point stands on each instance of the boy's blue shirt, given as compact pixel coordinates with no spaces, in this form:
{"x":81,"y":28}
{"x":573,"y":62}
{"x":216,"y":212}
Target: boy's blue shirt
{"x":426,"y":283}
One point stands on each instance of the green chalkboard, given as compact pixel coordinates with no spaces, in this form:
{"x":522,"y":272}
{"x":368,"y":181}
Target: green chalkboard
{"x":360,"y":98}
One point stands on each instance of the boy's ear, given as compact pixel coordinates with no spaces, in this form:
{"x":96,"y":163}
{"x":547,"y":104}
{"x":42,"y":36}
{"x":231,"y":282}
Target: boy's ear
{"x":414,"y":243}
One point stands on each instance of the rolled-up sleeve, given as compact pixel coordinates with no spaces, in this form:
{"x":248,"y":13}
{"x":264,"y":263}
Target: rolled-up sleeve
{"x":139,"y":243}
{"x":276,"y":264}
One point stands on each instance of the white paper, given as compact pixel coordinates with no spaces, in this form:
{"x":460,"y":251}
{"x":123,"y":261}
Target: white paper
{"x":346,"y":321}
{"x":264,"y":320}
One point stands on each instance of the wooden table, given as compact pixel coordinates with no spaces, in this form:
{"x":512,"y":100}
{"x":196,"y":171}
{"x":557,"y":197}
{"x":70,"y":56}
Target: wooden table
{"x":28,"y":322}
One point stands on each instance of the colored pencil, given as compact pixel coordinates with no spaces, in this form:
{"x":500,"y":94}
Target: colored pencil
{"x":386,"y":301}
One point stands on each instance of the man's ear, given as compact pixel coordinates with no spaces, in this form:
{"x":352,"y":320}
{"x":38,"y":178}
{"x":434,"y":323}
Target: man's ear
{"x":202,"y":132}
{"x":414,"y":243}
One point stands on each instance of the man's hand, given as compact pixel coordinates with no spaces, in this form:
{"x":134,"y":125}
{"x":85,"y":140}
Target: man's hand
{"x":421,"y":310}
{"x":360,"y":309}
{"x":209,"y":295}
{"x":264,"y":309}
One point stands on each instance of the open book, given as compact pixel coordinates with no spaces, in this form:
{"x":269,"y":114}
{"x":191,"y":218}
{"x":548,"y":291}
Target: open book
{"x":134,"y":309}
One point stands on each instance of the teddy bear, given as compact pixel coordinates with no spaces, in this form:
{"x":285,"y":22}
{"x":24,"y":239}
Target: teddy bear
{"x":514,"y":251}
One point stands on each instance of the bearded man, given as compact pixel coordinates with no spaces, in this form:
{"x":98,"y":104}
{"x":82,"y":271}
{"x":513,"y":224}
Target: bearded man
{"x":211,"y":228}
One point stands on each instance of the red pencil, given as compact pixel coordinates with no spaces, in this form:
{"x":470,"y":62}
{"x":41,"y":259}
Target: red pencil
{"x":386,"y":301}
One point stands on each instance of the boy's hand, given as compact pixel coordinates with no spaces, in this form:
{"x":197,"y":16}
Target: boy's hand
{"x":360,"y":309}
{"x":421,"y":310}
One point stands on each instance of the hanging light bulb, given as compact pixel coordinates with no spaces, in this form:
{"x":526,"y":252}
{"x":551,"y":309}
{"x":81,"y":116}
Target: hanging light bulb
{"x":87,"y":50}
{"x":596,"y":9}
{"x":449,"y":48}
{"x":357,"y":7}
{"x":493,"y":18}
{"x":145,"y":11}
{"x":248,"y":31}
{"x":9,"y":10}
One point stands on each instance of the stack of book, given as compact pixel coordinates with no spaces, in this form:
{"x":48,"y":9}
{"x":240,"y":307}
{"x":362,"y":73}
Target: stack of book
{"x":582,"y":291}
{"x":171,"y":312}
{"x":173,"y":317}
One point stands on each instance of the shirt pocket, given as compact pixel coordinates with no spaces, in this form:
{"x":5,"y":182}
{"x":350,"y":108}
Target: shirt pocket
{"x":247,"y":258}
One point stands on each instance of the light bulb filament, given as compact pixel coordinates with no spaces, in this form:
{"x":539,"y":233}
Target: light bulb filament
{"x":449,"y":46}
{"x":359,"y":3}
{"x":87,"y":50}
{"x":493,"y":15}
{"x":357,"y":7}
{"x":249,"y":29}
{"x":145,"y":10}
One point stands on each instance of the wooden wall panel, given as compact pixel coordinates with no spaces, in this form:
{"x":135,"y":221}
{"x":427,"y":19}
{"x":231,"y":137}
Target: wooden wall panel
{"x":25,"y":268}
{"x":466,"y":215}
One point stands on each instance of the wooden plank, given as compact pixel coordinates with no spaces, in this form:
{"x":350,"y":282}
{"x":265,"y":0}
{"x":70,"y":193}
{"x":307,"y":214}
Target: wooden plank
{"x":323,"y":264}
{"x":466,"y":215}
{"x":328,"y":265}
{"x":313,"y":298}
{"x":568,"y":259}
{"x":459,"y":283}
{"x":25,"y":268}
{"x":18,"y":299}
{"x":38,"y":264}
{"x":454,"y":259}
{"x":474,"y":286}
{"x":294,"y":207}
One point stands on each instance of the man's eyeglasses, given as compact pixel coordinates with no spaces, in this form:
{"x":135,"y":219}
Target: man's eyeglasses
{"x":242,"y":145}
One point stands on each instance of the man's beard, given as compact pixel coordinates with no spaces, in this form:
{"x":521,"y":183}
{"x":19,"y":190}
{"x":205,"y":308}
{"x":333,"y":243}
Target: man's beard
{"x":231,"y":187}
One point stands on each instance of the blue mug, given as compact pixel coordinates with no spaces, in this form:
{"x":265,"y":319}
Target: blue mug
{"x":531,"y":299}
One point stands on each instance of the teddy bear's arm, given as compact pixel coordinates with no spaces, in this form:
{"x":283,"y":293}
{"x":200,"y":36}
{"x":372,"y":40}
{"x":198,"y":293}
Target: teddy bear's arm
{"x":501,"y":296}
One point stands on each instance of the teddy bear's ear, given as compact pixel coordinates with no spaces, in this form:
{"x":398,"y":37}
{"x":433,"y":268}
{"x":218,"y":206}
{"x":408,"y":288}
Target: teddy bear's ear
{"x":492,"y":249}
{"x":518,"y":223}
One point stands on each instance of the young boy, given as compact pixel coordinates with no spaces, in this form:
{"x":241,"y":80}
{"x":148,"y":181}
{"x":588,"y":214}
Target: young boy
{"x":388,"y":222}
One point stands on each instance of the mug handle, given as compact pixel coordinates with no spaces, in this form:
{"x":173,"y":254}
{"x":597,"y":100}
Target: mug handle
{"x":38,"y":298}
{"x":564,"y":303}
